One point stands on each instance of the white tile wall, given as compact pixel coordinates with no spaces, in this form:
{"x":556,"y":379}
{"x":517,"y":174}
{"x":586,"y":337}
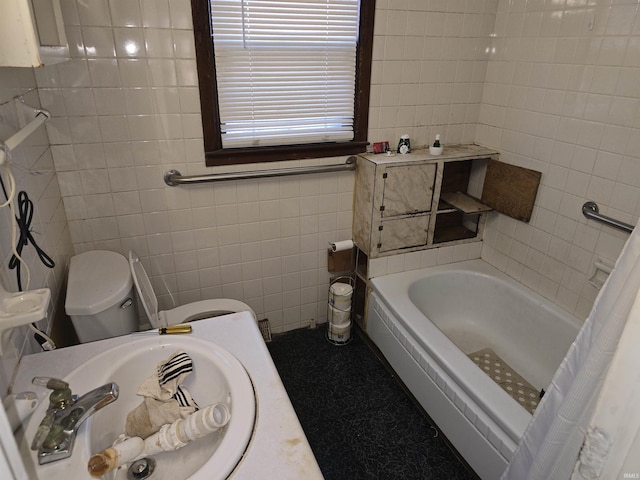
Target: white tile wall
{"x":128,"y":110}
{"x":32,"y":166}
{"x":427,"y":258}
{"x":429,"y":63}
{"x":562,"y":97}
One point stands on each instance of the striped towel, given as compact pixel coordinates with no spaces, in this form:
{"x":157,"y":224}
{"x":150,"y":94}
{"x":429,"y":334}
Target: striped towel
{"x":171,"y":374}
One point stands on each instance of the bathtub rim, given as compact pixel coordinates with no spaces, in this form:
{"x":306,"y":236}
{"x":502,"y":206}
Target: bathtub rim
{"x":393,"y":291}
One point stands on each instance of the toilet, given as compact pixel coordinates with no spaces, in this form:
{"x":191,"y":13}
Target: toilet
{"x":100,"y":298}
{"x":101,"y":302}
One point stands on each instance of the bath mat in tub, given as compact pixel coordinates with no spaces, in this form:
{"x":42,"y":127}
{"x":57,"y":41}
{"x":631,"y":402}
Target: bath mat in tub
{"x":500,"y":372}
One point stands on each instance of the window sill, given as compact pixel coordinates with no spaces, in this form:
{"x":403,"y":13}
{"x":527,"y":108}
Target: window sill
{"x":233,"y":156}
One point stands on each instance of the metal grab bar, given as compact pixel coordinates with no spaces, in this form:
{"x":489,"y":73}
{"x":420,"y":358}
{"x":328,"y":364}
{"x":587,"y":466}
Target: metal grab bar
{"x":591,"y":210}
{"x":173,"y":178}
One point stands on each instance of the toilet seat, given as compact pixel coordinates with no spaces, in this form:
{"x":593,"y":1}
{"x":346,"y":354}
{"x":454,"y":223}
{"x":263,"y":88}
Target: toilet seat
{"x":183,"y":313}
{"x":203,"y":309}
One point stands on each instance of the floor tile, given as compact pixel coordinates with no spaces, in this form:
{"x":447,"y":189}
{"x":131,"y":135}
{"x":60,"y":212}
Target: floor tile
{"x":358,"y":419}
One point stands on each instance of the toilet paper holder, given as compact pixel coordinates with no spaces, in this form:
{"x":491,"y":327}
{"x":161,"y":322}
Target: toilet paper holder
{"x":341,"y":291}
{"x":340,"y":257}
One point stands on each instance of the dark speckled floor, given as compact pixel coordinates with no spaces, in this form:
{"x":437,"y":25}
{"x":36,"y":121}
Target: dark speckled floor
{"x":358,"y":419}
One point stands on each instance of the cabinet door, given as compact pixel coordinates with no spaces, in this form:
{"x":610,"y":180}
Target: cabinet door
{"x":32,"y":33}
{"x":406,"y":232}
{"x":408,"y":189}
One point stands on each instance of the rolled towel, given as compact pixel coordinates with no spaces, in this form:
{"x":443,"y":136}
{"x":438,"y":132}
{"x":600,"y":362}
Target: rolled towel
{"x":165,"y":399}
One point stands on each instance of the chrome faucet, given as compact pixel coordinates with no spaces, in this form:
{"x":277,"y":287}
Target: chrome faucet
{"x":56,"y":434}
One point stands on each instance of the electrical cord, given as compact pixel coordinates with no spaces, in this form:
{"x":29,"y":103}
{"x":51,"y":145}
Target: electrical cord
{"x":10,"y":202}
{"x":23,"y":219}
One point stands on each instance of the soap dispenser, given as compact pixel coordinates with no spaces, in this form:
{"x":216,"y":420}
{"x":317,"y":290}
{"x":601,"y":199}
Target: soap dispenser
{"x":436,"y":148}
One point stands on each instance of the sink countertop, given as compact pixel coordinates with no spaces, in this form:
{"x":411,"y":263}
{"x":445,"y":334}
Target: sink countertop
{"x":278,"y":447}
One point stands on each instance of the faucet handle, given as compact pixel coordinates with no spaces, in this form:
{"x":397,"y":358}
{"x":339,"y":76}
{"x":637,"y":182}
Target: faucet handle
{"x":43,"y":430}
{"x":50,"y":383}
{"x":61,"y":395}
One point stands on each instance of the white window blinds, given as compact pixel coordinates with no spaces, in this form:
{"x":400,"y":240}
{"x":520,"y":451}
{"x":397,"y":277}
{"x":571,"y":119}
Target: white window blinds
{"x":285,"y":70}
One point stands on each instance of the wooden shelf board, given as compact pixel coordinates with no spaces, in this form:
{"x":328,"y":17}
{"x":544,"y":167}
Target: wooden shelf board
{"x":464,"y":203}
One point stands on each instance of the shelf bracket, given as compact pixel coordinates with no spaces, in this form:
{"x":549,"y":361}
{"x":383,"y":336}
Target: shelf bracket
{"x":34,"y":118}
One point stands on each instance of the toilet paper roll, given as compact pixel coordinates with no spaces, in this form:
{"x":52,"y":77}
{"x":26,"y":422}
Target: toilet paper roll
{"x":339,"y":334}
{"x":337,"y":317}
{"x":340,"y":295}
{"x":340,"y":246}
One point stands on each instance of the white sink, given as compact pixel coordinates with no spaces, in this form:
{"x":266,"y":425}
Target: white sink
{"x":217,"y":377}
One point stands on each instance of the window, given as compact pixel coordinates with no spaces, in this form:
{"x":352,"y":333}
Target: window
{"x":282,"y":79}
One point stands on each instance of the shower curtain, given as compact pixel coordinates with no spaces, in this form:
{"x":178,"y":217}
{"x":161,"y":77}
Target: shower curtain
{"x":589,"y":420}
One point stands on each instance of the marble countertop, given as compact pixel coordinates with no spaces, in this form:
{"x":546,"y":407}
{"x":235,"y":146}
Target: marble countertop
{"x":450,"y":152}
{"x":278,"y":447}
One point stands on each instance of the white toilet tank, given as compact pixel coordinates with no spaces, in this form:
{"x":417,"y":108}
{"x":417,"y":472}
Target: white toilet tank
{"x":100,"y":298}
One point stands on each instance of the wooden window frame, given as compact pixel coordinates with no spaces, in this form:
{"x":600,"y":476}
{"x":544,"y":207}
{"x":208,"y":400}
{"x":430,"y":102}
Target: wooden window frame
{"x":215,"y":154}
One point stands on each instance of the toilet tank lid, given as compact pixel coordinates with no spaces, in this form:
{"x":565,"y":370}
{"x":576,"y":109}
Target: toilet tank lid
{"x":98,"y":279}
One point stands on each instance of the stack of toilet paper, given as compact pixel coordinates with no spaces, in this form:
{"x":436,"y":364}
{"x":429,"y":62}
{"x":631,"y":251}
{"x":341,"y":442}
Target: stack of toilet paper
{"x":339,"y":311}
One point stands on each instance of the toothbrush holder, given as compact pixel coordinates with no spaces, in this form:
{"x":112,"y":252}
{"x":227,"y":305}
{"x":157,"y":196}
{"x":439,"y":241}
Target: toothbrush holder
{"x":435,"y":150}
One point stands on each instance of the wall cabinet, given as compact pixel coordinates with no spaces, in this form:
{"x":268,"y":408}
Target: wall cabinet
{"x":411,"y":202}
{"x":405,"y":203}
{"x":32,"y":33}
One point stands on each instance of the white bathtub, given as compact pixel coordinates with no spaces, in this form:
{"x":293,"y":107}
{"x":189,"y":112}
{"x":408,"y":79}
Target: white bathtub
{"x":426,"y":321}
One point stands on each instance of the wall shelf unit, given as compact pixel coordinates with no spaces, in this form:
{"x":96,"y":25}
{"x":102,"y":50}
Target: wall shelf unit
{"x":413,"y":202}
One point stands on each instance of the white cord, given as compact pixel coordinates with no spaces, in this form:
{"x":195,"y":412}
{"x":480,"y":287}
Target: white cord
{"x":12,"y":185}
{"x":48,"y":344}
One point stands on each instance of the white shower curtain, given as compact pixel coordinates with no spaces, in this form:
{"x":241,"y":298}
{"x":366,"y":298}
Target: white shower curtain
{"x":552,"y":445}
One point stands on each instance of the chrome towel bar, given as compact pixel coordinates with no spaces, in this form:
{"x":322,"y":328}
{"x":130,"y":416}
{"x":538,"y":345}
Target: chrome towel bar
{"x":173,"y":178}
{"x":591,"y":210}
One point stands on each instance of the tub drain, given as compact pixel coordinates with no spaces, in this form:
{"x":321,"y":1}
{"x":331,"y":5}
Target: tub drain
{"x":507,"y":378}
{"x":141,"y":469}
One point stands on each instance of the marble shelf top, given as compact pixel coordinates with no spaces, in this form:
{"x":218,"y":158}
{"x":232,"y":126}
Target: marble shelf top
{"x":450,"y":152}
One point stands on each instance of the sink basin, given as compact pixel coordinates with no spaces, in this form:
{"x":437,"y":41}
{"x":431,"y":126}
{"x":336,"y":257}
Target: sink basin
{"x":217,"y":377}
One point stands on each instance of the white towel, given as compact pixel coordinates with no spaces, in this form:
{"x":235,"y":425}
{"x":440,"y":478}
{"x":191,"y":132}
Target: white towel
{"x":165,"y":399}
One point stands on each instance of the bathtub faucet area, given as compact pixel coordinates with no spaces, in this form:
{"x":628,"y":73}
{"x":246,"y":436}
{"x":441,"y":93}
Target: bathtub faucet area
{"x":56,"y":434}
